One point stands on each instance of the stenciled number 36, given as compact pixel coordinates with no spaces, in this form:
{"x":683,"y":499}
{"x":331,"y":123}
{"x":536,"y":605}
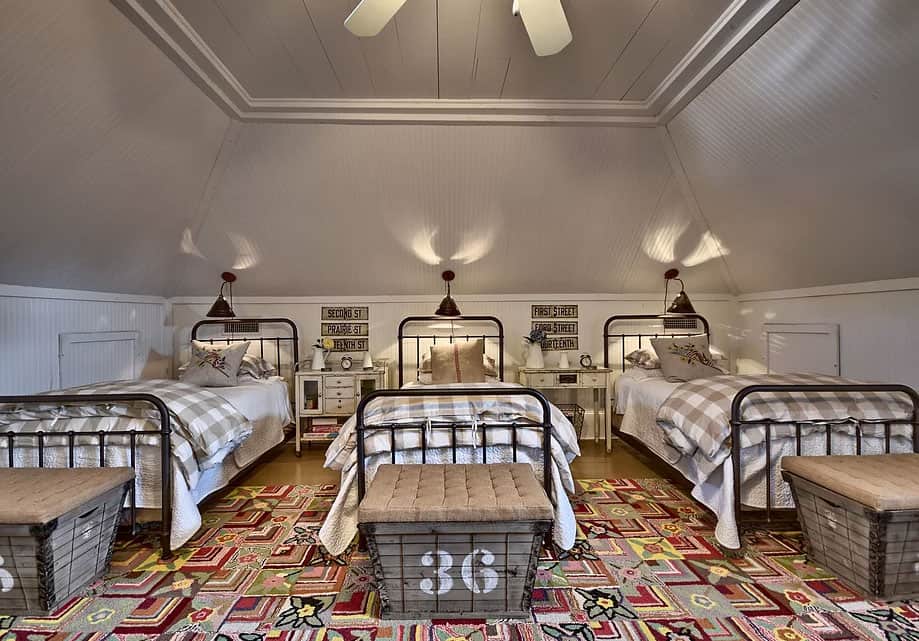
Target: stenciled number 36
{"x":478,"y":580}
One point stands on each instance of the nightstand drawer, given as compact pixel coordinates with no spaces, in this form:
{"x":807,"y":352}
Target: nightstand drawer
{"x":540,"y":380}
{"x":338,"y":381}
{"x":339,"y":405}
{"x":339,"y":392}
{"x":592,"y":380}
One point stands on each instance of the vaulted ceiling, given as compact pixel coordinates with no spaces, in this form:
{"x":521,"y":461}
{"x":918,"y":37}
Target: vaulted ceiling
{"x":794,"y":166}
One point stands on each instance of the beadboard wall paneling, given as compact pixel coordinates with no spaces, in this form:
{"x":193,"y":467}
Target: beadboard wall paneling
{"x":32,"y":319}
{"x":878,"y":327}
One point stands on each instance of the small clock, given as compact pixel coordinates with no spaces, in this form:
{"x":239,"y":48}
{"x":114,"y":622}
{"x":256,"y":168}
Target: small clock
{"x":346,"y":362}
{"x":586,"y":361}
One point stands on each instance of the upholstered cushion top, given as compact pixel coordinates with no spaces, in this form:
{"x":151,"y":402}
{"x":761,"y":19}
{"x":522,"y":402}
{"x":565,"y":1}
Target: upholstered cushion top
{"x":482,"y":492}
{"x":33,"y":496}
{"x":882,"y":482}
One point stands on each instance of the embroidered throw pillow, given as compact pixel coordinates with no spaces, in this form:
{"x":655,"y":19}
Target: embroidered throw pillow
{"x":686,"y":359}
{"x":458,"y":363}
{"x":214,"y":365}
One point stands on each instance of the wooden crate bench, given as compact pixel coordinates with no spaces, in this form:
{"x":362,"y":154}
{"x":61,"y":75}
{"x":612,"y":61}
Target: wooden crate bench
{"x":455,"y":540}
{"x":57,"y":527}
{"x":860,"y":516}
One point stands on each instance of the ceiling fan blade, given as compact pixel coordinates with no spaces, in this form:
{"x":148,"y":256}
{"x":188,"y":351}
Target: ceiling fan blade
{"x":546,"y":24}
{"x":370,"y":16}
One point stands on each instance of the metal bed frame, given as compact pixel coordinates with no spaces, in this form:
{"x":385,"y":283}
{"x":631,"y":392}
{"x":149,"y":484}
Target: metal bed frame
{"x":161,"y":427}
{"x":362,"y":429}
{"x":748,"y":517}
{"x":496,"y":334}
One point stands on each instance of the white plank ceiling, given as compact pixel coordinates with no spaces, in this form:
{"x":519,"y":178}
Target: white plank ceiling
{"x":117,"y":173}
{"x":290,"y":49}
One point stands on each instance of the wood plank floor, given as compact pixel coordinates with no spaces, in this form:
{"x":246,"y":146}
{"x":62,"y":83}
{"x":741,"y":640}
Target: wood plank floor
{"x":283,"y":467}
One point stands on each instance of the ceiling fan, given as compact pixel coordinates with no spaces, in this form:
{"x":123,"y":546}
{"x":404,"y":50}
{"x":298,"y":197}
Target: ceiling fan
{"x":544,"y":21}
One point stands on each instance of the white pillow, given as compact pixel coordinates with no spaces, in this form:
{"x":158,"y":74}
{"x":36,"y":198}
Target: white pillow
{"x":644,"y":358}
{"x":214,"y":365}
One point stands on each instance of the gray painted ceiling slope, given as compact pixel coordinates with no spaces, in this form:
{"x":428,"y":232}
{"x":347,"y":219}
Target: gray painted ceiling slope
{"x":124,"y":177}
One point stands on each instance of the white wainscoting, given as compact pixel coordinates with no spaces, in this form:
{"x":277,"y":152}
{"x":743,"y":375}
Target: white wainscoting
{"x":878,"y":326}
{"x":32,"y":321}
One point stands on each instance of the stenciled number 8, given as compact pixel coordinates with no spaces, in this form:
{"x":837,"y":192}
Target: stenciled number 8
{"x":478,"y":580}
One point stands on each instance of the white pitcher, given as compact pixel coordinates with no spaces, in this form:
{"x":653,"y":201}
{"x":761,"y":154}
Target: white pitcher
{"x":534,"y":356}
{"x":318,"y":362}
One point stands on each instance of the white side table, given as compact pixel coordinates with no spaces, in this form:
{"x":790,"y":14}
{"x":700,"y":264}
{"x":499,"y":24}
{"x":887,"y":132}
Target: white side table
{"x":595,"y":379}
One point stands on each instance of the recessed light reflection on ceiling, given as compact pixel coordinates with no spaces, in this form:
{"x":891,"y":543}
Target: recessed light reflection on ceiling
{"x":660,"y":244}
{"x":187,"y":244}
{"x":422,"y":245}
{"x":474,"y":246}
{"x":709,"y":247}
{"x":247,"y":252}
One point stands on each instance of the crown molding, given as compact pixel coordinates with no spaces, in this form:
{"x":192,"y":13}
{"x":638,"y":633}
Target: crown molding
{"x":735,"y":30}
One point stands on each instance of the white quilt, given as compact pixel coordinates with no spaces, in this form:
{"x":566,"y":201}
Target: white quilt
{"x":340,"y":525}
{"x":638,"y":399}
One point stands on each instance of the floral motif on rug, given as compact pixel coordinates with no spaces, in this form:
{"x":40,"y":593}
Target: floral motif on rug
{"x":645,"y":567}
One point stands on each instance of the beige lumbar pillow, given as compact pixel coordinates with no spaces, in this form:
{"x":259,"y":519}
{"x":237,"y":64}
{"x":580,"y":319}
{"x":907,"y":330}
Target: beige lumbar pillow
{"x":491,"y":369}
{"x":686,"y":359}
{"x":214,"y":365}
{"x":458,"y":363}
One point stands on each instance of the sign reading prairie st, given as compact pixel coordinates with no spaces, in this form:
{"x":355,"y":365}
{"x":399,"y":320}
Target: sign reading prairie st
{"x":345,"y":329}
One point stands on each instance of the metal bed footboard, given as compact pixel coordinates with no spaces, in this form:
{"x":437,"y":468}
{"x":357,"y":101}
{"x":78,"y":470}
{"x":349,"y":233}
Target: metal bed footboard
{"x":771,"y":514}
{"x":363,"y":429}
{"x":42,"y":440}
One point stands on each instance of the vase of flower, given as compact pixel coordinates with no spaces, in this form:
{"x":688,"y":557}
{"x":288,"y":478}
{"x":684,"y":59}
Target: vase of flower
{"x":321,"y":349}
{"x":534,"y":343}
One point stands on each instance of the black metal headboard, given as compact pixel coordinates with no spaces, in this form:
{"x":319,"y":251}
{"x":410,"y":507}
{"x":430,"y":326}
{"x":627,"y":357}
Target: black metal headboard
{"x":269,"y":333}
{"x":495,"y":334}
{"x":654,"y":326}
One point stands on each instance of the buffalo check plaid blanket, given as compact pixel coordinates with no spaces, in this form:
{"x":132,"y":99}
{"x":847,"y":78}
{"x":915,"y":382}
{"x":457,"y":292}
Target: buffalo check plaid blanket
{"x":202,"y":423}
{"x":697,"y":415}
{"x":491,"y":408}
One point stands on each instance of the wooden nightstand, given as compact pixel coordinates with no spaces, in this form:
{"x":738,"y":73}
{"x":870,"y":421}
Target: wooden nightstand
{"x":332,"y":395}
{"x":595,"y":379}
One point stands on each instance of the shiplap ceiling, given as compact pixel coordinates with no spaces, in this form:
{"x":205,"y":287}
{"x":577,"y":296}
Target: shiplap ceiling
{"x":631,"y":61}
{"x":795,"y":167}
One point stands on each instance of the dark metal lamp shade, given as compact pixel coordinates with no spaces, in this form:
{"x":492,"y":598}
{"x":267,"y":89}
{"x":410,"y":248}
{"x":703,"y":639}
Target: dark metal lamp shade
{"x":448,"y":307}
{"x":681,"y":305}
{"x":221,"y":308}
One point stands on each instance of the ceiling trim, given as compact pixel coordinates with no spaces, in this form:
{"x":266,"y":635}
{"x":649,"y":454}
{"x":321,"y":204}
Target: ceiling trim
{"x":735,"y":30}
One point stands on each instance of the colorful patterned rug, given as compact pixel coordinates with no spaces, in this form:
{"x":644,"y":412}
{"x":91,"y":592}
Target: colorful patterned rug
{"x":644,"y":567}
